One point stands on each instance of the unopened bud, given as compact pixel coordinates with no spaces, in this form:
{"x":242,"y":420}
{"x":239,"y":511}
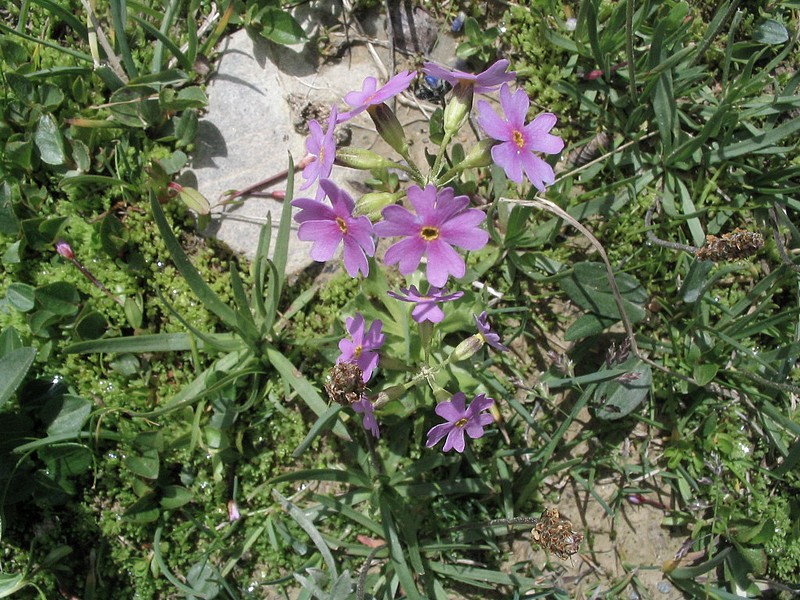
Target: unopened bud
{"x":467,"y":348}
{"x":457,"y":109}
{"x":480,"y":155}
{"x":65,"y":250}
{"x":359,"y":158}
{"x":389,"y":127}
{"x":372,"y":203}
{"x":391,"y":393}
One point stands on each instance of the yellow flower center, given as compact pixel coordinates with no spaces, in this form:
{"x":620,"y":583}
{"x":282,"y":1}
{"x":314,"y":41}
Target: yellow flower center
{"x":357,"y":352}
{"x":518,"y":139}
{"x":342,"y":225}
{"x":429,"y":233}
{"x":461,"y":422}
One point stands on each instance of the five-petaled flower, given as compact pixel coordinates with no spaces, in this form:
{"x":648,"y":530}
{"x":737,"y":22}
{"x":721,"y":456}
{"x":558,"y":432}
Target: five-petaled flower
{"x":371,"y":95}
{"x":369,"y":421}
{"x":486,"y":333}
{"x":518,"y":141}
{"x":442,"y":221}
{"x":361,"y":348}
{"x":328,"y":226}
{"x":425,"y":307}
{"x":460,"y":420}
{"x":322,"y":146}
{"x":487,"y":81}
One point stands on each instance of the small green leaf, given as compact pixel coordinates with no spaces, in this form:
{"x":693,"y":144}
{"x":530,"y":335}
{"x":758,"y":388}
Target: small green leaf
{"x":146,"y":465}
{"x":175,"y":496}
{"x":59,"y":298}
{"x":619,"y":397}
{"x":194,"y":200}
{"x":704,"y":374}
{"x":72,"y":414}
{"x":9,"y":224}
{"x":770,"y":31}
{"x":14,"y":366}
{"x":49,"y":141}
{"x":65,"y":460}
{"x":280,"y":27}
{"x":144,"y":510}
{"x":20,"y":296}
{"x":10,"y":584}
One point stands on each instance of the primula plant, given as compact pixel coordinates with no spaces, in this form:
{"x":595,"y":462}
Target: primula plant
{"x":433,"y":236}
{"x":432,"y":230}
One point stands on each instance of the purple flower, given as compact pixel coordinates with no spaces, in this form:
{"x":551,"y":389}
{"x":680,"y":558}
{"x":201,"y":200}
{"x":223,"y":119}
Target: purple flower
{"x":425,"y":308}
{"x":323,"y":148}
{"x":369,"y":421}
{"x":460,"y":420}
{"x":488,"y":81}
{"x":518,"y":141}
{"x":328,"y":226}
{"x":442,"y":221}
{"x":371,"y":95}
{"x":360,"y":349}
{"x":485,"y":331}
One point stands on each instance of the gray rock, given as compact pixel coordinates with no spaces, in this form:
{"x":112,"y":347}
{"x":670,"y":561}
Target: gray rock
{"x":258,"y":95}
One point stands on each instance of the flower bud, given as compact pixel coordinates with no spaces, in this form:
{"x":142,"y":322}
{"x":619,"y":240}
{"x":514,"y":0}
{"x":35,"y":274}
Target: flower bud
{"x":65,"y":250}
{"x":480,"y":155}
{"x":359,"y":158}
{"x":391,"y":393}
{"x":467,"y":348}
{"x":372,"y":203}
{"x":389,"y":127}
{"x":457,"y":109}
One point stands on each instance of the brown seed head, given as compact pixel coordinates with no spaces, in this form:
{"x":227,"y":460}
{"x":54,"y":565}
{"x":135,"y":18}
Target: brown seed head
{"x":345,"y":384}
{"x":555,"y":533}
{"x":735,"y":245}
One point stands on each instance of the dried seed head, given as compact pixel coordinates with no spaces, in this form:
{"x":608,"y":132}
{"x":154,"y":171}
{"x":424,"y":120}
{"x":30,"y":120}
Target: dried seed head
{"x":554,"y":533}
{"x":345,"y":384}
{"x":731,"y":246}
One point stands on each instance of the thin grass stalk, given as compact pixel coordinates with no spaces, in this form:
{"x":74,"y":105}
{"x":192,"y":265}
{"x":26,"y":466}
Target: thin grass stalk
{"x":629,"y":50}
{"x":612,"y":282}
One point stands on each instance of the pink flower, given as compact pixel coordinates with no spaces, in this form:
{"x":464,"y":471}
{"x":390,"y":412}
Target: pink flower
{"x":518,"y":142}
{"x":361,"y":348}
{"x":442,"y":221}
{"x":486,"y":333}
{"x":369,"y":422}
{"x":328,"y":226}
{"x":370,"y":95}
{"x":426,"y":308}
{"x":323,"y":148}
{"x":460,"y":420}
{"x":487,"y":81}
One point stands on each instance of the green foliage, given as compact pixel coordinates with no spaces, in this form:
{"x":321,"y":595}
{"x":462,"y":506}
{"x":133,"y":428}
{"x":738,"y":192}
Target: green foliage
{"x":159,"y":438}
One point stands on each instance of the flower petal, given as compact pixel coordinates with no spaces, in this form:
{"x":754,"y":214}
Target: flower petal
{"x":494,"y":126}
{"x":407,"y":253}
{"x":455,"y":440}
{"x":442,"y":262}
{"x":507,"y":156}
{"x":436,"y":433}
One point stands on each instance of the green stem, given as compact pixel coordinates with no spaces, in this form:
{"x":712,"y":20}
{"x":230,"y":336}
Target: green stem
{"x":437,"y":164}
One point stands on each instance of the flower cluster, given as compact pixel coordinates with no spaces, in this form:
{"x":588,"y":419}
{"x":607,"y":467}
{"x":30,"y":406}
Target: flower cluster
{"x":429,"y":233}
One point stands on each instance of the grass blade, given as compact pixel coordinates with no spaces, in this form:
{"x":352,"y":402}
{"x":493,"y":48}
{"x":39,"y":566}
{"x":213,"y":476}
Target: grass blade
{"x":187,"y":270}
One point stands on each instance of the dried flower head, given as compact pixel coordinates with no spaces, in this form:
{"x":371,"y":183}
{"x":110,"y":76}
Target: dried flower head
{"x":735,"y":245}
{"x":346,"y":384}
{"x":554,"y":533}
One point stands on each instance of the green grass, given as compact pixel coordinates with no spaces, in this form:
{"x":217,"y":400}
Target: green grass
{"x":124,"y":449}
